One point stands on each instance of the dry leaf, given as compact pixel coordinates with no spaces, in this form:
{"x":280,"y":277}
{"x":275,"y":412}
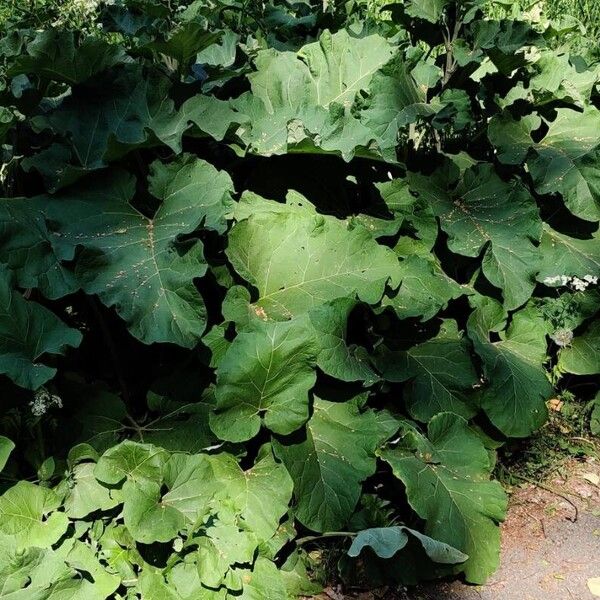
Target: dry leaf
{"x":592,"y":478}
{"x":594,"y":586}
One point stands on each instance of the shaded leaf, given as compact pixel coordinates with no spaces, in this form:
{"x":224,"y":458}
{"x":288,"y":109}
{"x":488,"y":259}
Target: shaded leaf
{"x":328,"y":467}
{"x":462,"y":507}
{"x":264,"y":378}
{"x":28,"y":332}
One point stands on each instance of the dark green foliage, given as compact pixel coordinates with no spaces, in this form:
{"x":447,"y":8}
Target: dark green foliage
{"x":282,"y":271}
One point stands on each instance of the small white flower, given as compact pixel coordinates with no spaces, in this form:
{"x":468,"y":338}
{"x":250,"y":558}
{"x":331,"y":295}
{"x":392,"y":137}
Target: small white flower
{"x":593,"y":279}
{"x":562,"y":337}
{"x":564,"y":279}
{"x":42,"y":401}
{"x":551,"y":280}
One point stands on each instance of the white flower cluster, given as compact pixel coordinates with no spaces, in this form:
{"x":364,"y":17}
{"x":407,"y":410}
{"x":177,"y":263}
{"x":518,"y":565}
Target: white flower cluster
{"x":86,"y":6}
{"x":576,"y":283}
{"x":562,"y":337}
{"x":42,"y":401}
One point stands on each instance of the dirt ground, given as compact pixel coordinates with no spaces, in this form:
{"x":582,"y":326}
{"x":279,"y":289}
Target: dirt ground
{"x":550,"y":546}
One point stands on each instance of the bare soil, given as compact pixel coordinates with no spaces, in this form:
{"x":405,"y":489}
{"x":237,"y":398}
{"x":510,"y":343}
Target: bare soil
{"x":550,"y":546}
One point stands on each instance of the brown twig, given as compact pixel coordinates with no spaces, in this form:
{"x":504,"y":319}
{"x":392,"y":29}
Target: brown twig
{"x":550,"y":489}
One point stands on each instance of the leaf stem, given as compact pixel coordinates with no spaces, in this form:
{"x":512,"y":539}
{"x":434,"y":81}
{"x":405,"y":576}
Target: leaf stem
{"x":550,"y":489}
{"x":328,"y":534}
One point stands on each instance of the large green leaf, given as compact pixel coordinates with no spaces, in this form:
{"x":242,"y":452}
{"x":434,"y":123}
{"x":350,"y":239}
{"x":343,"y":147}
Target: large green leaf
{"x":164,"y":495}
{"x":136,"y":263}
{"x":188,"y":184}
{"x":124,"y":111}
{"x":305,"y":259}
{"x":265,"y":377}
{"x":392,"y":93}
{"x":484,"y":213}
{"x":517,"y":384}
{"x":28,"y":331}
{"x":567,"y":161}
{"x":301,"y":101}
{"x":146,"y":516}
{"x":204,"y":484}
{"x":85,"y":495}
{"x":184,"y":43}
{"x":55,"y":55}
{"x":425,"y":289}
{"x":582,"y":356}
{"x":30,"y":250}
{"x":564,"y":161}
{"x":565,"y":255}
{"x":387,"y":541}
{"x":447,"y":483}
{"x":440,"y":372}
{"x":329,"y":466}
{"x":31,"y":573}
{"x":28,"y":516}
{"x":335,"y":357}
{"x":98,"y":583}
{"x":429,"y":10}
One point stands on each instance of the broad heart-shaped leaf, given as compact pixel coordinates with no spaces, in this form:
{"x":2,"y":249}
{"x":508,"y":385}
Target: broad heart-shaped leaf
{"x":430,"y":10}
{"x":189,"y":183}
{"x":582,"y":356}
{"x":297,"y":89}
{"x":54,"y":55}
{"x":264,"y":582}
{"x":28,"y":516}
{"x":512,"y":138}
{"x":392,"y":93}
{"x":201,"y":484}
{"x":185,"y":43}
{"x":27,"y":332}
{"x":305,"y":259}
{"x":146,"y":517}
{"x":98,"y":585}
{"x":119,"y":111}
{"x":447,"y":483}
{"x":486,"y":213}
{"x":335,"y":357}
{"x":223,"y":546}
{"x":560,"y":77}
{"x":440,"y":372}
{"x":565,"y":161}
{"x":339,"y":65}
{"x":301,"y":101}
{"x":386,"y":541}
{"x":424,"y":290}
{"x":329,"y":466}
{"x":517,"y":384}
{"x":85,"y":495}
{"x":30,"y":250}
{"x":265,"y":377}
{"x":134,"y":262}
{"x":565,"y":255}
{"x":28,"y":573}
{"x":130,"y":461}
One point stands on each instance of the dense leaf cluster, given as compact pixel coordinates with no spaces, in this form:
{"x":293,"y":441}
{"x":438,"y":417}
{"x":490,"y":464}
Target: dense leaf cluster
{"x":277,"y":271}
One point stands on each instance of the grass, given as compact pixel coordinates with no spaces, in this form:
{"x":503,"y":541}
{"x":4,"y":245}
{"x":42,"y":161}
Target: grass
{"x":564,"y":437}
